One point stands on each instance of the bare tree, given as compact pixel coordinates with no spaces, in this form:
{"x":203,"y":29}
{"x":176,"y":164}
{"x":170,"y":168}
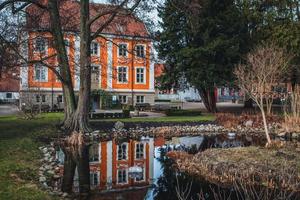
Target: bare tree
{"x":263,"y":69}
{"x":89,"y":27}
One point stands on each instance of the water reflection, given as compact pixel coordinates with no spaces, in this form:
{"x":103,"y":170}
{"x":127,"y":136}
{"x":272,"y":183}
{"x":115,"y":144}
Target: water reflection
{"x":132,"y":169}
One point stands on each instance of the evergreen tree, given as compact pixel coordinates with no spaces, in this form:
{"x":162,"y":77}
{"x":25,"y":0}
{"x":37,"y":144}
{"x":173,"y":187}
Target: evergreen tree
{"x":202,"y":40}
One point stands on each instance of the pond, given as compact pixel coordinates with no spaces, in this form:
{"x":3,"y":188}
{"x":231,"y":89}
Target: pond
{"x":131,"y":169}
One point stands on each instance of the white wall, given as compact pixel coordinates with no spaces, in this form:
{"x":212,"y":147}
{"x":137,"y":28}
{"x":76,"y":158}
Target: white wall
{"x":15,"y":95}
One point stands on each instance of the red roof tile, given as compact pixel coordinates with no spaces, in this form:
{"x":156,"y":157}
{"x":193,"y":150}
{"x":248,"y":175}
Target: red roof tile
{"x":9,"y":81}
{"x":126,"y":25}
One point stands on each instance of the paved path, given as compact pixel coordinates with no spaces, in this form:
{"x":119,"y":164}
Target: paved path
{"x":8,"y":109}
{"x":223,"y":106}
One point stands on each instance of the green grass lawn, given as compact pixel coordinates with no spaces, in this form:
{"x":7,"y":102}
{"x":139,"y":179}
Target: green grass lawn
{"x":200,"y":118}
{"x":19,"y":156}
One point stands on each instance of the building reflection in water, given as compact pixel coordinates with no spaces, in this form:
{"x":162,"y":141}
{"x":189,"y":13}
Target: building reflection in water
{"x":117,"y":166}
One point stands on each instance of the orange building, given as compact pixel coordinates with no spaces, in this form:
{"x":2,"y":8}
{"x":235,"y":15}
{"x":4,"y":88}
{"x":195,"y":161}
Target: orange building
{"x":121,"y":56}
{"x":112,"y":164}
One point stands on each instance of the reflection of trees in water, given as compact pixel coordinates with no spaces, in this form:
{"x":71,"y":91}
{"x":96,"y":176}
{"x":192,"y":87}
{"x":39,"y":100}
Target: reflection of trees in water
{"x":166,"y":184}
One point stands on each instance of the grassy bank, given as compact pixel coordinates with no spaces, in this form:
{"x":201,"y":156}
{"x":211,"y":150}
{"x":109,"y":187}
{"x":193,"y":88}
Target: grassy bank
{"x":19,"y":155}
{"x":274,"y":168}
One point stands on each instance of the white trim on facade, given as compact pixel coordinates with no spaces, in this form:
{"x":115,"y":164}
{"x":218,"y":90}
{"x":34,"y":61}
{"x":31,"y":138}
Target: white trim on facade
{"x":24,"y":68}
{"x":109,"y":65}
{"x":151,"y":159}
{"x":134,"y":90}
{"x":109,"y":164}
{"x":151,"y":70}
{"x":77,"y":56}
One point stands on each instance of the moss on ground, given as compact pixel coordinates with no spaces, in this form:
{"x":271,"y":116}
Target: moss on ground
{"x":274,"y":168}
{"x":19,"y":155}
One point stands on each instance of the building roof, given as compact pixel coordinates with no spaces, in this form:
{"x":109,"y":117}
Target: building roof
{"x":9,"y":81}
{"x":123,"y":24}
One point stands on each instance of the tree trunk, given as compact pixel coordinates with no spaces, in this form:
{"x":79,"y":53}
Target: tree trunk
{"x":83,"y":169}
{"x":265,"y":125}
{"x":69,"y":171}
{"x":209,"y":99}
{"x":79,"y":120}
{"x":62,"y":58}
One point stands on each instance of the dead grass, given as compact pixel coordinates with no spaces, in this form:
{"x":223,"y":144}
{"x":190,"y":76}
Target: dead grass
{"x":274,"y":168}
{"x":229,"y":120}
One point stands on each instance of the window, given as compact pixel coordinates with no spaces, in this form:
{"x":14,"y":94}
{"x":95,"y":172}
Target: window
{"x":122,"y":74}
{"x":140,"y":51}
{"x":94,"y":179}
{"x":122,"y":151}
{"x":140,"y":99}
{"x":140,"y":75}
{"x":94,"y":48}
{"x":59,"y":99}
{"x":37,"y":98}
{"x":95,"y":73}
{"x":94,"y":153}
{"x":43,"y":98}
{"x":122,"y":50}
{"x":9,"y":95}
{"x":40,"y":45}
{"x":142,"y":177}
{"x":122,"y":176}
{"x":40,"y":73}
{"x":123,"y":99}
{"x":139,"y":151}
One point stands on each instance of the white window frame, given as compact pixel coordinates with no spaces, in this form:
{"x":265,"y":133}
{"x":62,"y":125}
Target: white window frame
{"x":136,"y":98}
{"x":92,"y":49}
{"x":126,"y":99}
{"x":10,"y":94}
{"x":137,"y":51}
{"x":92,"y":181}
{"x":144,"y":75}
{"x":144,"y":176}
{"x":99,"y":154}
{"x":118,"y":49}
{"x":41,"y":68}
{"x":123,"y":183}
{"x":126,"y":153}
{"x":119,"y":82}
{"x":135,"y":152}
{"x":35,"y":45}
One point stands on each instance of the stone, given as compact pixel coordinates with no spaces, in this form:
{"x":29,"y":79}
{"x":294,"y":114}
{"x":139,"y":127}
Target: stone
{"x":51,"y":172}
{"x":42,"y":179}
{"x":249,"y":123}
{"x":64,"y":195}
{"x":119,"y":125}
